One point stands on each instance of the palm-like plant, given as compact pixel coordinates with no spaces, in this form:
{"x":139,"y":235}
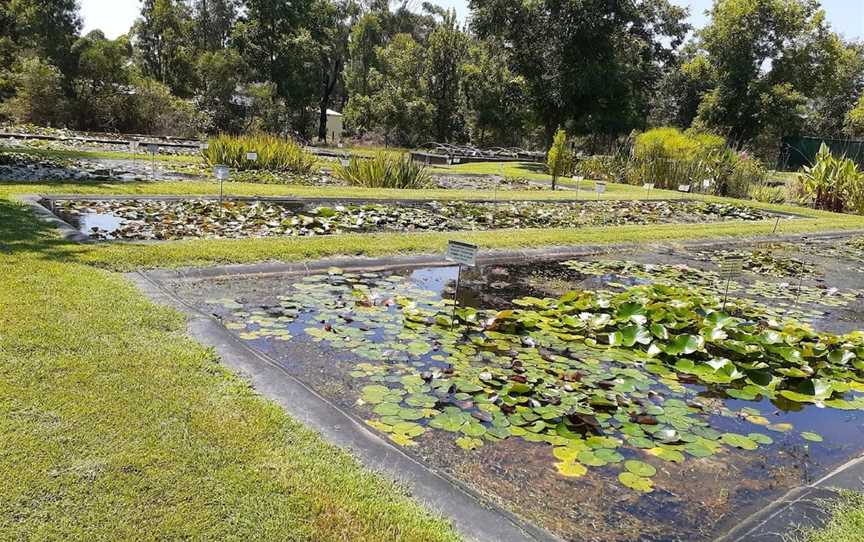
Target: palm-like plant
{"x":834,"y":184}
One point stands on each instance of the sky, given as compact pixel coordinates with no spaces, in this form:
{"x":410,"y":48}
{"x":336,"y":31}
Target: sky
{"x":115,"y":17}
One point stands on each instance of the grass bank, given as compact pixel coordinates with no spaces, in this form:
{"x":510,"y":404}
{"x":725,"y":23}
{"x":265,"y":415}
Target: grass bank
{"x":116,"y":426}
{"x":205,"y":188}
{"x":69,"y":154}
{"x":845,"y":525}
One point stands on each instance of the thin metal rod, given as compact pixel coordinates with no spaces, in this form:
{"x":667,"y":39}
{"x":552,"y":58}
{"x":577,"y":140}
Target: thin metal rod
{"x":455,"y":296}
{"x":726,"y":293}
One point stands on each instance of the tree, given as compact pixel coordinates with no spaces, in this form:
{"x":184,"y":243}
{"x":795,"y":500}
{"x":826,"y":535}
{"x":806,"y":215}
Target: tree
{"x":589,"y":64}
{"x":164,"y":44}
{"x":213,"y":22}
{"x":39,"y":97}
{"x":559,"y":159}
{"x":495,"y":98}
{"x":446,"y":49}
{"x":274,"y":40}
{"x":220,"y":74}
{"x":101,"y":85}
{"x":743,"y":41}
{"x":46,"y":28}
{"x":854,"y":121}
{"x":331,"y":33}
{"x":400,"y":106}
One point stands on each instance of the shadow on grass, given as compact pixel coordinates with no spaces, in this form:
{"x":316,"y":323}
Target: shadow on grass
{"x":23,"y":233}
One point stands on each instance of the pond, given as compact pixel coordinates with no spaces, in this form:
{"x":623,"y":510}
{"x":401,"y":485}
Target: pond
{"x":174,"y":218}
{"x":612,"y":398}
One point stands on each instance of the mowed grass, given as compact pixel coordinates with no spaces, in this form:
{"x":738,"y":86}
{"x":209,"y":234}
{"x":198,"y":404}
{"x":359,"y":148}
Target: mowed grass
{"x":116,"y":426}
{"x":210,"y":188}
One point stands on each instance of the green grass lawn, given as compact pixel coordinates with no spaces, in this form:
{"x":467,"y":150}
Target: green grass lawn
{"x":63,"y":154}
{"x":116,"y":425}
{"x":200,"y":188}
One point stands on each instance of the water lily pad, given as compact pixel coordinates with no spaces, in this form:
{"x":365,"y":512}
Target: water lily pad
{"x":637,"y":483}
{"x":640,"y":468}
{"x":812,"y":437}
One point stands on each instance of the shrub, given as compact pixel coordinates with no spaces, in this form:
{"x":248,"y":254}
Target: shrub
{"x":274,"y":154}
{"x":768,"y":194}
{"x":384,"y":170}
{"x":559,"y":160}
{"x":39,"y":97}
{"x":834,"y":184}
{"x":673,"y":144}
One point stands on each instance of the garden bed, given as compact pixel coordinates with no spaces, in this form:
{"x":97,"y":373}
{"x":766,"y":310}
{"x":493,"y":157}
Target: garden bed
{"x":178,"y":218}
{"x":612,"y":398}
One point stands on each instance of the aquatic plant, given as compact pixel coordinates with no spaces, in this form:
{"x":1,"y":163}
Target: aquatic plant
{"x":384,"y":170}
{"x":273,"y":154}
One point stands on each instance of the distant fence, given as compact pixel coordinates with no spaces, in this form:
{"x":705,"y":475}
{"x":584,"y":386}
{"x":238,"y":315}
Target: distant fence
{"x":799,"y":151}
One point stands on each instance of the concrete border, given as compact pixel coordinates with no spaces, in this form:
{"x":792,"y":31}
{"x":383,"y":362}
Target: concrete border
{"x":801,"y":507}
{"x":473,"y":515}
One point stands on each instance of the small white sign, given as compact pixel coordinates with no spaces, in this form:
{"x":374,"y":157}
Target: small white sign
{"x":684,"y":187}
{"x":457,"y":160}
{"x":706,"y":184}
{"x":578,"y":178}
{"x":152,"y":148}
{"x":205,"y":146}
{"x":648,"y":186}
{"x":221,"y":172}
{"x":462,"y":253}
{"x":600,"y":187}
{"x":133,"y":145}
{"x":252,"y":156}
{"x":732,"y":266}
{"x":345,"y":162}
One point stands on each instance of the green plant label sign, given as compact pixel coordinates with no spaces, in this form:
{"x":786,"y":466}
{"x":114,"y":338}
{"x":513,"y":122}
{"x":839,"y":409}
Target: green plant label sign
{"x":462,"y":253}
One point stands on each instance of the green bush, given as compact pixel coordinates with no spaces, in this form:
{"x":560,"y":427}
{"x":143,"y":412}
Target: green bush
{"x":384,"y":170}
{"x":768,"y":194}
{"x":674,"y":144}
{"x":559,"y":159}
{"x":274,"y":154}
{"x":834,"y":184}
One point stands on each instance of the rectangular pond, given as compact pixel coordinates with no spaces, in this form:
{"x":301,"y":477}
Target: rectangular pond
{"x":183,"y":218}
{"x":619,"y":397}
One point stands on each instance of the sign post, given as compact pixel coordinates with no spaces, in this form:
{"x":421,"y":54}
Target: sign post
{"x":648,"y":188}
{"x":706,"y":185}
{"x":732,"y":266}
{"x":461,"y":254}
{"x":252,"y":156}
{"x":599,"y":187}
{"x":152,"y":148}
{"x":133,"y":146}
{"x":684,"y":189}
{"x":221,"y":173}
{"x":578,"y":179}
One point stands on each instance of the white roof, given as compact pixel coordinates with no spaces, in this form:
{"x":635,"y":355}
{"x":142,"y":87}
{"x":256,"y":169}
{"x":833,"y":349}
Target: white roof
{"x":332,"y":113}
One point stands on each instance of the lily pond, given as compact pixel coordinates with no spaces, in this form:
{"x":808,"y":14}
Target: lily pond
{"x":165,"y":219}
{"x":613,"y":397}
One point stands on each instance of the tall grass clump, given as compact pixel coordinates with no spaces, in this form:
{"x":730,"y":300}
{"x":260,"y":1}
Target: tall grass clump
{"x":384,"y":170}
{"x":274,"y":154}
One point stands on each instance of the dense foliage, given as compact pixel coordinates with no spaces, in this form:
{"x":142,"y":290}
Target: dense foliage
{"x":834,"y":183}
{"x":384,"y":170}
{"x":270,"y":153}
{"x":759,"y":70}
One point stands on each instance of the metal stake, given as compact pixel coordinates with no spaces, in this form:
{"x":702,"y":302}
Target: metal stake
{"x":726,"y":293}
{"x":777,"y":223}
{"x":455,"y":295}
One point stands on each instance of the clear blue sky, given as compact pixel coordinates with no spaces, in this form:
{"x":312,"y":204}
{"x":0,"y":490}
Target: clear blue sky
{"x":114,"y":17}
